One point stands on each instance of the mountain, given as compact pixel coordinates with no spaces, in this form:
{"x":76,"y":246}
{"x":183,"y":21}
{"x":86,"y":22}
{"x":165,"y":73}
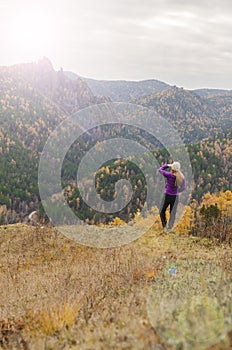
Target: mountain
{"x":183,"y":108}
{"x":70,"y":95}
{"x":223,"y":104}
{"x":122,"y":90}
{"x":210,"y":92}
{"x":34,"y":99}
{"x":193,"y":116}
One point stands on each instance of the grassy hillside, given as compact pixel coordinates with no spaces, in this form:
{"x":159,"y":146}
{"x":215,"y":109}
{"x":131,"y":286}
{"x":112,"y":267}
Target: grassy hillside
{"x":56,"y":294}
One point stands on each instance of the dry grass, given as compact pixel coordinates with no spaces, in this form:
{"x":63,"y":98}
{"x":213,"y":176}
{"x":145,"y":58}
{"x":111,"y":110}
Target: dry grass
{"x":52,"y":319}
{"x":55,"y":294}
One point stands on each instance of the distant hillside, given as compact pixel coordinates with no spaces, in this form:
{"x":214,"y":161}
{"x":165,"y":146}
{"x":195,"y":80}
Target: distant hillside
{"x":70,"y":95}
{"x":194,"y":117}
{"x":223,"y":104}
{"x":197,"y":114}
{"x":210,"y":92}
{"x":211,"y":164}
{"x":34,"y":99}
{"x":122,"y":90}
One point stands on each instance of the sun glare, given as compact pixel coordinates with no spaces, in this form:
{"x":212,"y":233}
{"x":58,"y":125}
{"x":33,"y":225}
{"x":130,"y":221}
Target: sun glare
{"x":30,"y":34}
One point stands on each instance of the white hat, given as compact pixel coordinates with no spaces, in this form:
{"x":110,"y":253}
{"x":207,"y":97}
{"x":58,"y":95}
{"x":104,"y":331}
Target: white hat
{"x":175,"y":166}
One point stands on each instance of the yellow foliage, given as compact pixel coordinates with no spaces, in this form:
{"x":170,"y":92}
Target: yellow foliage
{"x":150,"y":274}
{"x":117,"y":222}
{"x":137,"y":214}
{"x":107,"y":170}
{"x":223,"y":200}
{"x":50,"y":320}
{"x":187,"y":221}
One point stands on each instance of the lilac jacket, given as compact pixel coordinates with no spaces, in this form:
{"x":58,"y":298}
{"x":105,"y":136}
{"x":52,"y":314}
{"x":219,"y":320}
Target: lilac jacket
{"x":170,"y":184}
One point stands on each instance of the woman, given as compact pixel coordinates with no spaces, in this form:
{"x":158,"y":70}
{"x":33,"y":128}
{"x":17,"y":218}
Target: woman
{"x":175,"y":183}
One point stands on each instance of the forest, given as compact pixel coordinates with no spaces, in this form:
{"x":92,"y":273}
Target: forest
{"x":35,"y":99}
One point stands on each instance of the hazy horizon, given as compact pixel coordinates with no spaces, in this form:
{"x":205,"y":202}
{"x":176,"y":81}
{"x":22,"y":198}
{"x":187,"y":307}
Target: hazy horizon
{"x":174,"y":41}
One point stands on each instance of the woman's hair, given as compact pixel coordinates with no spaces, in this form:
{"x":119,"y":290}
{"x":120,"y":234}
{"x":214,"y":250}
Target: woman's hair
{"x":179,"y":177}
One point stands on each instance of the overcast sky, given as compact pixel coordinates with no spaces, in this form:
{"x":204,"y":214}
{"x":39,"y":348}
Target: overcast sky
{"x":183,"y":42}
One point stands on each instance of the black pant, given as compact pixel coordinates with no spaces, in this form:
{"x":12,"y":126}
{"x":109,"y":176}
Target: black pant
{"x":173,"y":202}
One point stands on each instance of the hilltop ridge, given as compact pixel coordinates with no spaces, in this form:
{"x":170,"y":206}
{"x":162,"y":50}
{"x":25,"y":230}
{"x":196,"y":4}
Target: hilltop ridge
{"x":123,"y":90}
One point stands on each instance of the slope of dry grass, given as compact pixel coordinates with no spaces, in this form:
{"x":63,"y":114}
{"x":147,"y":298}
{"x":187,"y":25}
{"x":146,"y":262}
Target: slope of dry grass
{"x":55,"y":294}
